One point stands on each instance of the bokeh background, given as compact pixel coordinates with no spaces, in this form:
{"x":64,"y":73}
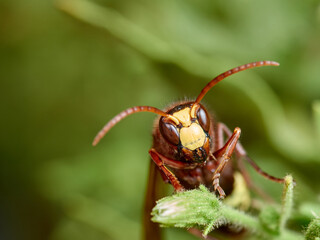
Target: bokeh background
{"x":68,"y":66}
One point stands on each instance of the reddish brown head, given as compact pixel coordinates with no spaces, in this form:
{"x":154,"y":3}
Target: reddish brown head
{"x":191,"y":136}
{"x":185,"y":127}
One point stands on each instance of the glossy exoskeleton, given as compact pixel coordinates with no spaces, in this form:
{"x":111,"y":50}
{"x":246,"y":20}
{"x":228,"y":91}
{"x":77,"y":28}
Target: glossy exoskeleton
{"x":189,"y":148}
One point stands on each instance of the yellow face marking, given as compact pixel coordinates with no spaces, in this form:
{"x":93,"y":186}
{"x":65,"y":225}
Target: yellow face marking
{"x":183,"y":116}
{"x":193,"y":110}
{"x":192,"y":137}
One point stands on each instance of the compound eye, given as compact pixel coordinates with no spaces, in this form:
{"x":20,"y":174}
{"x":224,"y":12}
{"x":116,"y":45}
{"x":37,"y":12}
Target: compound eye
{"x":203,"y":119}
{"x":169,"y":132}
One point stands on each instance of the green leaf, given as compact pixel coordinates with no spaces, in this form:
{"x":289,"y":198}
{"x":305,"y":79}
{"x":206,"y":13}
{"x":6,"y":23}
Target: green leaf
{"x":269,"y":219}
{"x":313,"y":230}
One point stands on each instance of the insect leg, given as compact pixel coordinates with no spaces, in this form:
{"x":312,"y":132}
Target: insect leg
{"x":157,"y":158}
{"x":222,"y":130}
{"x":223,"y":155}
{"x":242,"y":154}
{"x":160,"y":160}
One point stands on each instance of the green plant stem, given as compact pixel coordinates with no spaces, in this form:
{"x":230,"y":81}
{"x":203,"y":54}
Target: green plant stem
{"x":242,"y":219}
{"x":287,"y":201}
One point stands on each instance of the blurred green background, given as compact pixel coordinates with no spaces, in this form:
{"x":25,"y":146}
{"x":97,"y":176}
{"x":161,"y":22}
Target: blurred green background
{"x":67,"y":67}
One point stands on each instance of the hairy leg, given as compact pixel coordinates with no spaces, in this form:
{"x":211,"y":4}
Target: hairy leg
{"x":223,"y":155}
{"x":241,"y":154}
